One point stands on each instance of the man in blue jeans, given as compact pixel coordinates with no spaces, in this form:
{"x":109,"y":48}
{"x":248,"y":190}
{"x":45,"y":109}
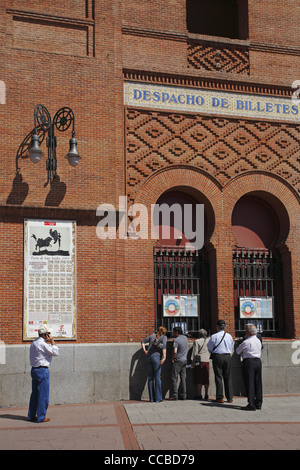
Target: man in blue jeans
{"x":41,"y":352}
{"x":179,"y":360}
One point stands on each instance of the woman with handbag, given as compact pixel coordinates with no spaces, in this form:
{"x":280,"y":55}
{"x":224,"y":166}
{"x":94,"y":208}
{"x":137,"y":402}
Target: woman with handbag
{"x":156,"y":356}
{"x":200,"y":362}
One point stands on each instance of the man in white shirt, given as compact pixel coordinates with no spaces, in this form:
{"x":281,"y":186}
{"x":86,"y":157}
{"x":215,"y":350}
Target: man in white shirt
{"x":41,"y":352}
{"x":250,"y":349}
{"x":220,"y":345}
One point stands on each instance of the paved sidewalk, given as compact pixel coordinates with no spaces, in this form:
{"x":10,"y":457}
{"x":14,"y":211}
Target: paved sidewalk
{"x":175,"y":426}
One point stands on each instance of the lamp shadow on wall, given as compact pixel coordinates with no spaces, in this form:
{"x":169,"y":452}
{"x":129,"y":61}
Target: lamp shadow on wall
{"x":57,"y":192}
{"x":19,"y":191}
{"x":20,"y":188}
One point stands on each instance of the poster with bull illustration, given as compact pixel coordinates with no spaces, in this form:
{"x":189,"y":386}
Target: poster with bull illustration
{"x":49,"y":278}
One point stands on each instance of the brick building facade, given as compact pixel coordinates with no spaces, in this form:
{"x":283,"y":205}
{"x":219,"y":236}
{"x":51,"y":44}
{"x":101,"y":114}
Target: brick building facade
{"x":242,"y":163}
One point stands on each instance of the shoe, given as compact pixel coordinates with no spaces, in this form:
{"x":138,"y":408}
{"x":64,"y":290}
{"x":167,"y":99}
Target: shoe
{"x":182,"y":398}
{"x":220,"y":400}
{"x":248,"y":408}
{"x":158,"y":401}
{"x":206,"y":397}
{"x":33,"y":420}
{"x":45,"y":420}
{"x":198,"y":397}
{"x":229,"y":401}
{"x":172,"y":399}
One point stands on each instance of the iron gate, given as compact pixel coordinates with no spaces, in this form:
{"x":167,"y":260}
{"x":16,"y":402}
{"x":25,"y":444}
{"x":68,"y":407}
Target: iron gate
{"x":179,"y":271}
{"x":257,"y":274}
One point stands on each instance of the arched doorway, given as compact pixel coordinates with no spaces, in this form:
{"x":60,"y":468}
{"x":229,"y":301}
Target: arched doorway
{"x":254,"y":223}
{"x":257,"y":270}
{"x":181,"y":269}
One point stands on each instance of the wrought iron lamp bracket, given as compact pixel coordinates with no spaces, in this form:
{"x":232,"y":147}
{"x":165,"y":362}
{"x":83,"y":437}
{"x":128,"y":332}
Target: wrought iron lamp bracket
{"x":62,"y":121}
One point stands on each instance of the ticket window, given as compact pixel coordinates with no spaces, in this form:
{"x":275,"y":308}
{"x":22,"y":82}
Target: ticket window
{"x":257,"y":269}
{"x":180,"y":269}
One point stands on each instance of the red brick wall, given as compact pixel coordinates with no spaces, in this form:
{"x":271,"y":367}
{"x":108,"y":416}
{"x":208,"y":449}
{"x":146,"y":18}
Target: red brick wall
{"x":69,"y":54}
{"x":274,"y":23}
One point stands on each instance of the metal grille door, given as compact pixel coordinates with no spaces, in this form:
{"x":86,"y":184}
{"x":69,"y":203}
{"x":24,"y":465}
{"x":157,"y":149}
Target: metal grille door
{"x":257,"y":275}
{"x":178,"y":271}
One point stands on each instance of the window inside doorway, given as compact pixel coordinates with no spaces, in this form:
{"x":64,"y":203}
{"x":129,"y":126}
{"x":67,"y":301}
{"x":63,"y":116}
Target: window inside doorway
{"x":257,"y":267}
{"x":223,"y":18}
{"x":257,"y":277}
{"x":181,"y":271}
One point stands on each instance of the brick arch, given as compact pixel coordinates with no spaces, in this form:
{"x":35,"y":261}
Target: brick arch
{"x":203,"y":188}
{"x":272,"y":189}
{"x":285,"y":202}
{"x":177,"y":175}
{"x":187,"y":179}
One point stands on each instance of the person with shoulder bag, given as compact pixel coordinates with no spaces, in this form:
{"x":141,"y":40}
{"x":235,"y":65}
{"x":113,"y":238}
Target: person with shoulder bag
{"x":220,"y":346}
{"x":200,"y":362}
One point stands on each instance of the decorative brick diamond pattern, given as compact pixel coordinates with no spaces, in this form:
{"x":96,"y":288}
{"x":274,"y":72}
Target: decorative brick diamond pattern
{"x":216,"y":57}
{"x":222,"y":147}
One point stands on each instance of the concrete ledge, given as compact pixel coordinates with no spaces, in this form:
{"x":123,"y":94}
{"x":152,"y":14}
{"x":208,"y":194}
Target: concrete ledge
{"x":87,"y":373}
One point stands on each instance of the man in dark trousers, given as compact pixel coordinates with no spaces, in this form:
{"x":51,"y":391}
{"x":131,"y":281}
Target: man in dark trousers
{"x":220,"y":345}
{"x":250,"y":349}
{"x":179,"y":360}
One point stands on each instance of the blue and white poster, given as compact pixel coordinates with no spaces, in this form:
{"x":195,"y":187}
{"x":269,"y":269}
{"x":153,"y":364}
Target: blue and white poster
{"x":180,"y":305}
{"x":256,"y":307}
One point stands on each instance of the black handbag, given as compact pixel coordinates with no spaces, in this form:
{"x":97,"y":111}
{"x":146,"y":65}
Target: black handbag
{"x":158,"y":344}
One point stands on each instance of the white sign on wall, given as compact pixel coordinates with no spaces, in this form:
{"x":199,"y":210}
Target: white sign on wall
{"x":180,"y":305}
{"x":49,"y":278}
{"x":183,"y":99}
{"x":256,"y":307}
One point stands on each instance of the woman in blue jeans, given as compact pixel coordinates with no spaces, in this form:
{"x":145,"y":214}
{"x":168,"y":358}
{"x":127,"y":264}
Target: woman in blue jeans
{"x":156,"y":356}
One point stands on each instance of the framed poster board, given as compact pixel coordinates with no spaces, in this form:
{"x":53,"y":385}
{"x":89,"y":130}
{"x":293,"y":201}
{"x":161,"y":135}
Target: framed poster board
{"x":180,"y":305}
{"x":256,"y":307}
{"x":49,"y":278}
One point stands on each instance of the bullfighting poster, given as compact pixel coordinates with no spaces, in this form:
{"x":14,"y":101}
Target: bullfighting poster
{"x":49,"y":278}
